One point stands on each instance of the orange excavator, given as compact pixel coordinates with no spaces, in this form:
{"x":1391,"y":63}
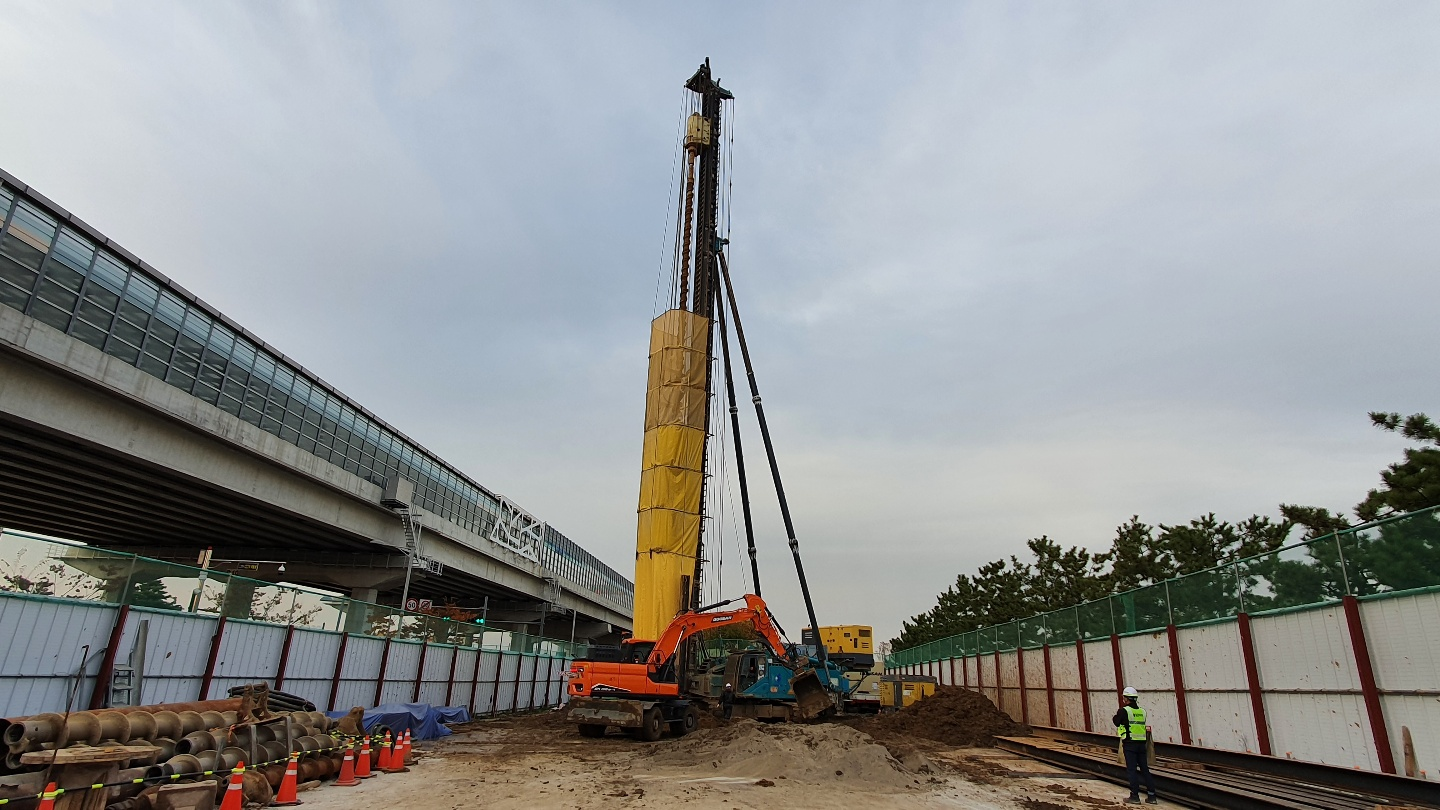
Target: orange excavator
{"x":647,"y":696}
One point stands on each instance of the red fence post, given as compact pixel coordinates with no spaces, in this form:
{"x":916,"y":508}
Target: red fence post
{"x":419,"y":670}
{"x":534,"y":680}
{"x":384,"y":664}
{"x":284,"y":657}
{"x":98,"y":697}
{"x":1119,"y":671}
{"x":214,"y":656}
{"x":1084,"y":682}
{"x":999,"y":680}
{"x":1179,"y":677}
{"x":519,"y":668}
{"x":1365,"y":669}
{"x":1049,"y":686}
{"x":495,"y":691}
{"x":1024,"y":703}
{"x":1252,"y":677}
{"x":953,"y":682}
{"x":339,"y":663}
{"x":475,"y":680}
{"x":450,"y":685}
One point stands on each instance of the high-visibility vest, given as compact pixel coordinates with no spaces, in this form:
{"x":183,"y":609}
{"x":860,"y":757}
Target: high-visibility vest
{"x":1136,"y":729}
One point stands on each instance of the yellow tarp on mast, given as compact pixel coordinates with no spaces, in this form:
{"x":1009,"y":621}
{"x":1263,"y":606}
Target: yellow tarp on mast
{"x":668,"y":534}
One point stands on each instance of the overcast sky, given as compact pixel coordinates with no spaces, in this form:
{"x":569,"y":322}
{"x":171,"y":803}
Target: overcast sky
{"x":1009,"y":269}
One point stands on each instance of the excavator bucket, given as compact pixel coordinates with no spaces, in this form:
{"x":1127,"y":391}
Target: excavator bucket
{"x":811,"y":698}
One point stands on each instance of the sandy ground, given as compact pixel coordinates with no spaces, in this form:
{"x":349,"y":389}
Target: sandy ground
{"x":541,"y":762}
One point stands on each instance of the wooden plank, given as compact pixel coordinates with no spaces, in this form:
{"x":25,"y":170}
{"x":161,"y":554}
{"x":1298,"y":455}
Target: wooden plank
{"x":69,"y":756}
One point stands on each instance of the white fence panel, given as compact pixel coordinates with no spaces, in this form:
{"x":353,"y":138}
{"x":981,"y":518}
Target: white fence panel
{"x":435,"y":682}
{"x":37,"y":669}
{"x":176,"y":653}
{"x":465,"y":661}
{"x":1145,"y":660}
{"x":1311,"y":689}
{"x":311,"y":667}
{"x":357,"y":676}
{"x":509,"y":668}
{"x":1403,"y":634}
{"x":485,"y":690}
{"x":249,"y":653}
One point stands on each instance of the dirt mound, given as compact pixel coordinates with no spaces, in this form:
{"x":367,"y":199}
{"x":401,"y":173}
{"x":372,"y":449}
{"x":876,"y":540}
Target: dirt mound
{"x":800,"y":753}
{"x":953,"y":716}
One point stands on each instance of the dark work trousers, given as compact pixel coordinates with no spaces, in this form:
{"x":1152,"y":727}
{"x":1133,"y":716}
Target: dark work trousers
{"x":1138,"y":765}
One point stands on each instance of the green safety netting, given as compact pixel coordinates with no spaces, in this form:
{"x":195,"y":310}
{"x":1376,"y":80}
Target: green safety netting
{"x":1400,"y":553}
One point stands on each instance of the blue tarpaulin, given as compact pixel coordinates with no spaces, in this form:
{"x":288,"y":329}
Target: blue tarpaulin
{"x":423,"y":720}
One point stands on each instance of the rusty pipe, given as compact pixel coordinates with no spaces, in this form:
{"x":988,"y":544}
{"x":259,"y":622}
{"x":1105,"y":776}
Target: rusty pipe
{"x":181,"y":764}
{"x":191,"y":721}
{"x":113,"y":726}
{"x":166,"y":746}
{"x":41,"y":728}
{"x":167,"y":724}
{"x":233,"y":756}
{"x":197,"y":741}
{"x":227,"y":705}
{"x":142,"y":725}
{"x":209,"y":760}
{"x":81,"y":728}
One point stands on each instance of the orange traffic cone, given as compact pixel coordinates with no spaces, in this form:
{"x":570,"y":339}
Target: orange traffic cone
{"x":347,"y":768}
{"x":289,"y":785}
{"x":384,"y":763}
{"x":409,"y":758}
{"x":397,"y":756}
{"x":362,"y":765}
{"x":47,"y":799}
{"x":235,"y":793}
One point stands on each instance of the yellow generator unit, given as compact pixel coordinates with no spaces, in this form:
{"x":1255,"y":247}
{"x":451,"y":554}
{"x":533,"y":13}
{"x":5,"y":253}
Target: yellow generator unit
{"x":847,"y":644}
{"x":899,"y":691}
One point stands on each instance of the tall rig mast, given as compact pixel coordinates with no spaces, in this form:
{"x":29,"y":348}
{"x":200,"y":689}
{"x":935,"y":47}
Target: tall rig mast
{"x":668,"y":556}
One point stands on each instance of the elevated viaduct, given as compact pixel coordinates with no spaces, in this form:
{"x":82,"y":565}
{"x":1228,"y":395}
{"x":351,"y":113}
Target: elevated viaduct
{"x":135,"y":417}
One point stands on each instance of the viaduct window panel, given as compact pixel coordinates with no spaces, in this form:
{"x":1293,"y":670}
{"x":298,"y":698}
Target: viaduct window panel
{"x":100,"y":302}
{"x":22,"y":252}
{"x":59,"y":290}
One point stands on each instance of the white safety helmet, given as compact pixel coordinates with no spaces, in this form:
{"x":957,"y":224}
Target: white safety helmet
{"x":1130,"y":692}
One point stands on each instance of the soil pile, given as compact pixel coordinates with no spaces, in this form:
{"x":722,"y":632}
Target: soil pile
{"x":744,"y":748}
{"x":953,"y":716}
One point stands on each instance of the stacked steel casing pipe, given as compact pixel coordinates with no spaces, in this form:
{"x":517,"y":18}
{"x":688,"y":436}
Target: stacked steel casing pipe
{"x":192,"y":738}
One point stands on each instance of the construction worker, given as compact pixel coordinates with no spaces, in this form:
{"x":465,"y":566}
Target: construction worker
{"x":1130,"y":724}
{"x":727,"y":701}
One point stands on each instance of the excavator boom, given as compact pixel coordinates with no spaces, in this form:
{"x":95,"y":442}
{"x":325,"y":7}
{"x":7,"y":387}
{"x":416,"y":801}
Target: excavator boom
{"x":686,"y":625}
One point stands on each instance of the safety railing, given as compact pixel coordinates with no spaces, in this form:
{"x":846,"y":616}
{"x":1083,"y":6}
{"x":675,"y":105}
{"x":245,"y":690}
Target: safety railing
{"x":43,"y":566}
{"x":1400,"y":553}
